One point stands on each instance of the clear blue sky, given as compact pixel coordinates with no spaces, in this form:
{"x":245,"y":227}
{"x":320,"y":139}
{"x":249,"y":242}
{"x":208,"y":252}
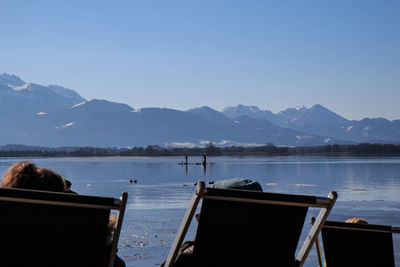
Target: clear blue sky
{"x":343,"y":54}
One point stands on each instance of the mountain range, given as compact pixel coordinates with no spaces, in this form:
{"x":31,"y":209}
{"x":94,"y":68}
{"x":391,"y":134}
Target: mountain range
{"x":54,"y":116}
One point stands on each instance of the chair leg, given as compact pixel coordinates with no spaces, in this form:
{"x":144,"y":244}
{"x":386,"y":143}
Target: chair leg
{"x":315,"y":229}
{"x":319,"y":253}
{"x":318,"y":247}
{"x":187,"y":219}
{"x":121,"y":212}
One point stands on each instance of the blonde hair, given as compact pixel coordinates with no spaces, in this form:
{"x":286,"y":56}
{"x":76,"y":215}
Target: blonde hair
{"x":356,"y":220}
{"x":22,"y":175}
{"x":26,"y":175}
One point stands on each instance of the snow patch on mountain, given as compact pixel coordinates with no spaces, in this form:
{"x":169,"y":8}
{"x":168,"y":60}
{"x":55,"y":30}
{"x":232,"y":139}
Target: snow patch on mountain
{"x":20,"y":88}
{"x":182,"y":145}
{"x":226,"y":143}
{"x":254,"y":109}
{"x":79,"y":104}
{"x":304,"y":137}
{"x":349,"y":128}
{"x":65,"y":125}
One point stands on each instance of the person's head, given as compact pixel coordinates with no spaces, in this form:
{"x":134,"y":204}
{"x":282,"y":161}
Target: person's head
{"x":22,"y":175}
{"x":356,"y":220}
{"x":50,"y":181}
{"x":25,"y":175}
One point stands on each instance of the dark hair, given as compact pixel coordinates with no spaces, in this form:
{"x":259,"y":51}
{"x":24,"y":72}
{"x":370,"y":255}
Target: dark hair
{"x":26,"y":175}
{"x":50,"y":181}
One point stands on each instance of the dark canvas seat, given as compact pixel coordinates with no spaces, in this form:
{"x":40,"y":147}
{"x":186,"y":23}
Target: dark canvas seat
{"x":56,"y":229}
{"x":248,"y":228}
{"x":348,"y":244}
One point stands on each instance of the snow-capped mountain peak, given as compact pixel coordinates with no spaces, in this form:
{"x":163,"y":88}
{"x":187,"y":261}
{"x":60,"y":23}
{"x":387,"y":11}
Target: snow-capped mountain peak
{"x":7,"y":79}
{"x":58,"y":116}
{"x":300,"y":107}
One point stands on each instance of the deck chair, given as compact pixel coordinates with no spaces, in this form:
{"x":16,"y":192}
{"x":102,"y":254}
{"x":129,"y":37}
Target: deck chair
{"x":39,"y":228}
{"x":349,"y":244}
{"x":249,"y":228}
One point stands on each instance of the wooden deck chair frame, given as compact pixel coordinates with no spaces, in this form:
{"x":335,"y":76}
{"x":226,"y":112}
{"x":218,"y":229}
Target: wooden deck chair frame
{"x":71,"y":200}
{"x":391,"y":230}
{"x":325,"y":203}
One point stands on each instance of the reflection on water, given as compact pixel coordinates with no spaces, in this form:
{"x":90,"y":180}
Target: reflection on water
{"x":160,"y":180}
{"x":367,"y":187}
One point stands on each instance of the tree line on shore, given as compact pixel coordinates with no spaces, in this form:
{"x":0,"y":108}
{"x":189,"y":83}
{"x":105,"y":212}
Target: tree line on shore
{"x":363,"y":149}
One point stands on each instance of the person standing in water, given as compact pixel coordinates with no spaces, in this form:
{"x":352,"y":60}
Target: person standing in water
{"x":204,"y":163}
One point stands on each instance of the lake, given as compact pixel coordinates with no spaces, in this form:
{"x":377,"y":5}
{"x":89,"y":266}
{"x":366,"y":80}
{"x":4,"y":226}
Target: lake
{"x":367,"y":188}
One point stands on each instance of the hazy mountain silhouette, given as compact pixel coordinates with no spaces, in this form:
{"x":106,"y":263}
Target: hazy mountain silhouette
{"x":33,"y":114}
{"x":319,"y":120}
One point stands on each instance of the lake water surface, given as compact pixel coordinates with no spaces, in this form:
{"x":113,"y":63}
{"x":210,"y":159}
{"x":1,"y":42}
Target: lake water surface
{"x":367,"y":187}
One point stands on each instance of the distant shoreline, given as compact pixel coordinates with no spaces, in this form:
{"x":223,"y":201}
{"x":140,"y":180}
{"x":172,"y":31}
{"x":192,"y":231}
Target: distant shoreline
{"x":360,"y":150}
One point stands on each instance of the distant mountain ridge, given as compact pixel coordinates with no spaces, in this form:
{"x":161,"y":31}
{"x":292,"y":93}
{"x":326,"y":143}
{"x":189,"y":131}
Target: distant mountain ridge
{"x":319,"y":120}
{"x":36,"y":115}
{"x":19,"y":98}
